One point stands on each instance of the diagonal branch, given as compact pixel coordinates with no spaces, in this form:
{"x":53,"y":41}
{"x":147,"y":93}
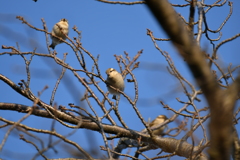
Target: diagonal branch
{"x":166,"y":144}
{"x":221,"y":106}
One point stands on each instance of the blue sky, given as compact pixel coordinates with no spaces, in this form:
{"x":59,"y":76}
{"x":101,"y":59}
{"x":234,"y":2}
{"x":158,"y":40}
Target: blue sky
{"x":106,"y":30}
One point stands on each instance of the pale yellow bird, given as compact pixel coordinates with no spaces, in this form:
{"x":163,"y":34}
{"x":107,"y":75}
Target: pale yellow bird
{"x":156,"y":122}
{"x":114,"y":79}
{"x":63,"y":23}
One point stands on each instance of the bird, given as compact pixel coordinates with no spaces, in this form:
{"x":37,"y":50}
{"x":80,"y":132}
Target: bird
{"x":156,"y":122}
{"x":114,"y":79}
{"x":63,"y":23}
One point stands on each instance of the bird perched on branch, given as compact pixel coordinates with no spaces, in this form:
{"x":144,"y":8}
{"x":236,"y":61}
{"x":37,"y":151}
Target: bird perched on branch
{"x":58,"y":30}
{"x":156,"y":122}
{"x":115,"y":80}
{"x":126,"y":142}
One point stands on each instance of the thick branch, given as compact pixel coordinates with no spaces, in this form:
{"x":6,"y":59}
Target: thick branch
{"x":166,"y":144}
{"x":220,"y":105}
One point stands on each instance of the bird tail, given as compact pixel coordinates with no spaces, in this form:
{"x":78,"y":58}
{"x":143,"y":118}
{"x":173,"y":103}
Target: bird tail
{"x":52,"y":46}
